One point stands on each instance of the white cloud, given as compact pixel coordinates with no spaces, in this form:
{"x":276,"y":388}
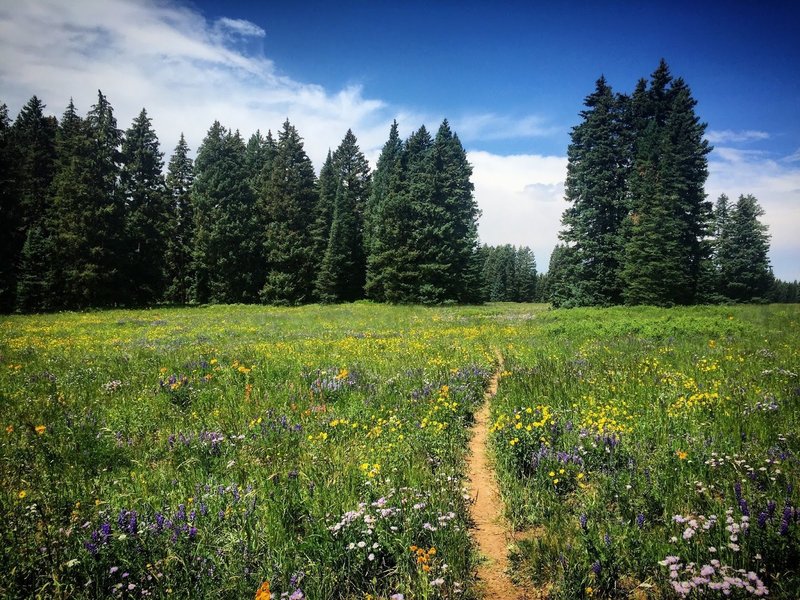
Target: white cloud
{"x":521,"y":199}
{"x":491,"y":126}
{"x":729,"y":136}
{"x":776,"y":185}
{"x":240,"y":27}
{"x":186,"y":70}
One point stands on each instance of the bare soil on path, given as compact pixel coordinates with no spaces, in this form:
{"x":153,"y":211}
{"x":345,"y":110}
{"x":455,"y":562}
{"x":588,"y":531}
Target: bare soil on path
{"x":489,"y":530}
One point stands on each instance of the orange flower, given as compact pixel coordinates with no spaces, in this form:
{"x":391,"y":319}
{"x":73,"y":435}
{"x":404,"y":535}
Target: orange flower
{"x":40,"y":429}
{"x":681,"y":454}
{"x":263,"y":591}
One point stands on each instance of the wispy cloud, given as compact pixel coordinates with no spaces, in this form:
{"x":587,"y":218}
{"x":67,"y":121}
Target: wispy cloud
{"x":239,"y":27}
{"x":728,"y":136}
{"x":491,"y":126}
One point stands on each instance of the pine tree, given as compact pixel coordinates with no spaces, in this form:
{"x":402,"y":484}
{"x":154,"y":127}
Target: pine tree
{"x":180,"y":226}
{"x":289,"y":199}
{"x":87,"y":218}
{"x":560,"y":277}
{"x":147,"y":211}
{"x":595,"y":187}
{"x":9,"y":215}
{"x":385,"y":231}
{"x":226,"y":249}
{"x":326,"y":203}
{"x":31,"y":150}
{"x":743,"y":255}
{"x":665,"y":250}
{"x":342,"y":272}
{"x":525,"y":269}
{"x":454,"y":212}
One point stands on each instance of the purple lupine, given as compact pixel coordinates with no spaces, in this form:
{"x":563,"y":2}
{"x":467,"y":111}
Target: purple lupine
{"x":596,"y":567}
{"x":584,"y":520}
{"x":640,"y":520}
{"x":762,"y":520}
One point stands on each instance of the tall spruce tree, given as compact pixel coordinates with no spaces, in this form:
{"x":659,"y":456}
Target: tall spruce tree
{"x":147,"y":211}
{"x":669,"y":217}
{"x":385,"y":226}
{"x":226,"y":250}
{"x":180,"y":226}
{"x":288,"y":199}
{"x":449,"y":221}
{"x":9,"y":215}
{"x":595,"y":188}
{"x":342,"y":273}
{"x":31,"y":151}
{"x":743,"y":253}
{"x":323,"y":212}
{"x":560,"y":277}
{"x":87,"y":226}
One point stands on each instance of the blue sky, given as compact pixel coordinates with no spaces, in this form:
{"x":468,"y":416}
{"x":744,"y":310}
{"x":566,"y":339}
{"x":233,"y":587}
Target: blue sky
{"x":511,"y":78}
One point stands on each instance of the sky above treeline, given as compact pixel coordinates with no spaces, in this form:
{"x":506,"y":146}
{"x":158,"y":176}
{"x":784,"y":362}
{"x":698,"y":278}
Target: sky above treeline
{"x":511,"y":79}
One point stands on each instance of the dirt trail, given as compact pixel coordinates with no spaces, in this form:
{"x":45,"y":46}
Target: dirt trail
{"x":489,"y":531}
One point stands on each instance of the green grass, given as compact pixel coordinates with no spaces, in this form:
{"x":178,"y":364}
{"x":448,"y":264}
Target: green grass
{"x":196,"y":453}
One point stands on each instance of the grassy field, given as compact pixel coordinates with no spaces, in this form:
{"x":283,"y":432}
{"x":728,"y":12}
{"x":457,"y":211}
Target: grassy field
{"x":319,"y":451}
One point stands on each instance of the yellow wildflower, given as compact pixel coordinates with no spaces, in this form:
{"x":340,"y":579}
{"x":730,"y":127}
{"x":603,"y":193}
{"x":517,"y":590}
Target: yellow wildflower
{"x":263,"y":591}
{"x":22,"y":494}
{"x":40,"y":429}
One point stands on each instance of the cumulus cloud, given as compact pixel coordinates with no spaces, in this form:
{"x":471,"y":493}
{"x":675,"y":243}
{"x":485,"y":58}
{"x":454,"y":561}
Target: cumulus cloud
{"x":776,"y":184}
{"x":186,"y":70}
{"x":521,"y":200}
{"x":727,"y":136}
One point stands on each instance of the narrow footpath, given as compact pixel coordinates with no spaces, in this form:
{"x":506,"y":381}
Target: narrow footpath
{"x":489,"y":532}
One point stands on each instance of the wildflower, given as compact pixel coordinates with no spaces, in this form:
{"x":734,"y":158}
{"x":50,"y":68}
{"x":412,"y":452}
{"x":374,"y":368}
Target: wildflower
{"x":40,"y":429}
{"x":263,"y":591}
{"x":589,"y":591}
{"x":681,"y":454}
{"x":22,"y":494}
{"x":10,"y":429}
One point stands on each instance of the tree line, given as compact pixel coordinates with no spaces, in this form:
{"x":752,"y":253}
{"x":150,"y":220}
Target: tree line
{"x":90,"y":219}
{"x":638,"y":228}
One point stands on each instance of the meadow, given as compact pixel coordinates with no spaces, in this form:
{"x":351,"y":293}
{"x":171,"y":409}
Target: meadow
{"x":319,"y":452}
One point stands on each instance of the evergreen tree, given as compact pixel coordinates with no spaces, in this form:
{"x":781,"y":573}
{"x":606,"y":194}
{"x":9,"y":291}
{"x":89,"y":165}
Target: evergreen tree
{"x":743,"y":256}
{"x":385,"y":226}
{"x":525,"y":269}
{"x":86,"y":229}
{"x":258,"y":153}
{"x":669,"y":217}
{"x":289,"y":199}
{"x":226,"y":249}
{"x":9,"y":215}
{"x":560,"y":277}
{"x":595,"y":187}
{"x":403,"y":213}
{"x":509,"y":274}
{"x":342,"y":272}
{"x":326,"y":203}
{"x":180,"y":226}
{"x":147,"y":211}
{"x":31,"y":155}
{"x":452,"y":223}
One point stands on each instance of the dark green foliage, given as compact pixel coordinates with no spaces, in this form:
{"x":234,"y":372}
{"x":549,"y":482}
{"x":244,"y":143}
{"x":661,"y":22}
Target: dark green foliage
{"x":561,"y":281}
{"x":665,"y":247}
{"x":326,"y":203}
{"x":786,"y":292}
{"x":342,"y":272}
{"x":226,"y":248}
{"x":421,"y":222}
{"x":29,"y":166}
{"x":596,"y":187}
{"x":88,"y":212}
{"x":288,"y":203}
{"x":180,"y":226}
{"x":36,"y":274}
{"x":509,"y":274}
{"x":742,"y":253}
{"x":147,"y":212}
{"x":9,"y":212}
{"x":385,"y":222}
